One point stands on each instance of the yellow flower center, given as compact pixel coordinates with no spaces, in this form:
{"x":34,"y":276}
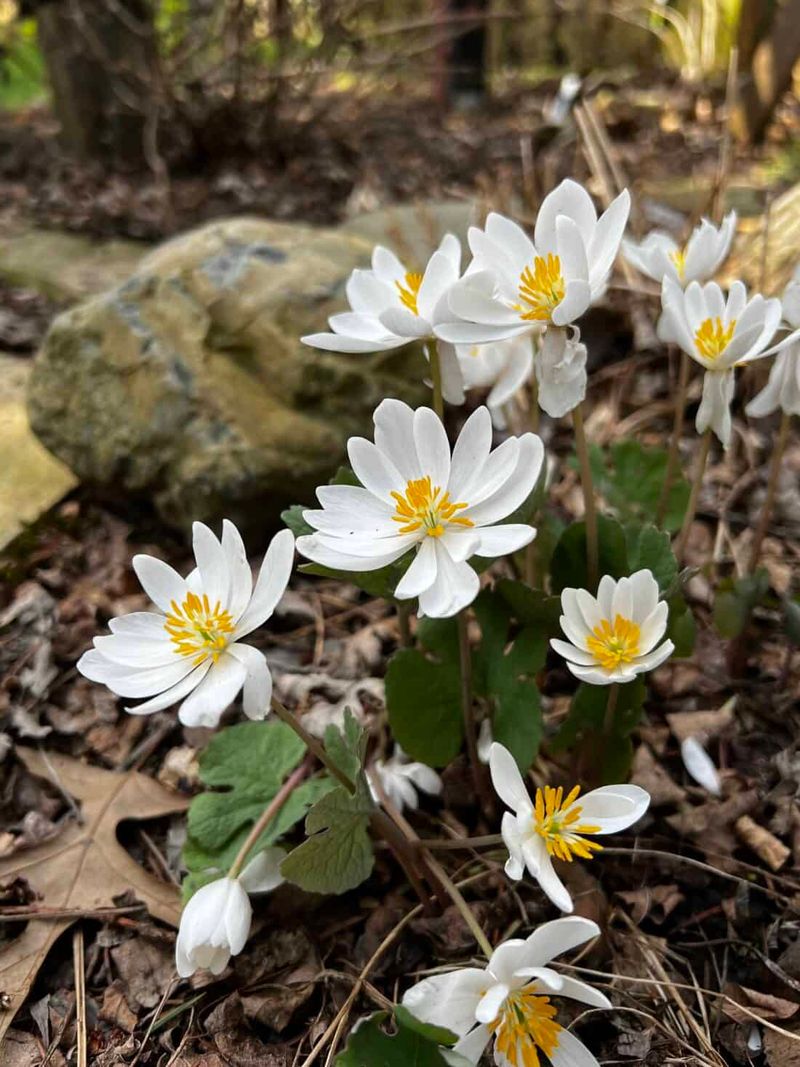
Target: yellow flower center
{"x":613,"y":643}
{"x":712,"y":338}
{"x":526,"y":1024}
{"x":541,"y":289}
{"x":424,"y":505}
{"x":557,"y":822}
{"x":196,"y":629}
{"x":410,"y":290}
{"x":678,"y":257}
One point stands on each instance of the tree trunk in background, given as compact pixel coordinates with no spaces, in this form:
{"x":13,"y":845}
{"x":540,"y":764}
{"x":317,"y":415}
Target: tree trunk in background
{"x":769,"y":73}
{"x":468,"y":52}
{"x":102,"y":63}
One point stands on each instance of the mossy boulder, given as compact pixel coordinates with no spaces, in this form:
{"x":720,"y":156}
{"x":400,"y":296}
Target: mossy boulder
{"x":188,"y":383}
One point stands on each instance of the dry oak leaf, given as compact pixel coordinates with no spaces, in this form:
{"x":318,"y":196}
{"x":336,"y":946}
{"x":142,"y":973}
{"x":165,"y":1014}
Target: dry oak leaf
{"x":84,"y":867}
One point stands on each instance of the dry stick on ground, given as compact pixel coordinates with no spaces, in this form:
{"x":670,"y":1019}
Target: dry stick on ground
{"x":156,"y":1015}
{"x":80,"y":996}
{"x":724,"y":163}
{"x":390,"y":938}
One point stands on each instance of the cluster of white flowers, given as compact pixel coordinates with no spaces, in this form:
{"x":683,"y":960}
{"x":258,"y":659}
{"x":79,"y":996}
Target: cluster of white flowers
{"x":427,"y":510}
{"x":515,"y":290}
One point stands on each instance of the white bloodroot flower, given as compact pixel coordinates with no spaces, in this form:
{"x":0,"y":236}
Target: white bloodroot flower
{"x":516,"y":284}
{"x":659,"y":256}
{"x":510,"y":1000}
{"x":400,"y":778}
{"x":190,"y":649}
{"x":391,"y":306}
{"x":720,"y":335}
{"x":613,"y":637}
{"x":782,"y":390}
{"x":560,"y":368}
{"x":502,"y":367}
{"x":553,"y":826}
{"x":415,"y":497}
{"x":215,"y":924}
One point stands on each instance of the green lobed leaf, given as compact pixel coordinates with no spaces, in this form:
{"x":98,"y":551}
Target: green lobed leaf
{"x":249,"y":761}
{"x":568,"y":566}
{"x":681,"y":626}
{"x":630,"y":477}
{"x":293,"y":518}
{"x":531,"y":607}
{"x":423,"y":694}
{"x":504,"y":674}
{"x":244,"y":766}
{"x":347,"y":747}
{"x":369,"y":1046}
{"x":651,"y":548}
{"x":204,"y":865}
{"x":337,"y":855}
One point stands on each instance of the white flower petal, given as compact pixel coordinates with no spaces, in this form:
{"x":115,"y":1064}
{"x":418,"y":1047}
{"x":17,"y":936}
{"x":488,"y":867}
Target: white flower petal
{"x":433,"y":448}
{"x":571,"y":1052}
{"x":502,"y":540}
{"x":490,"y":1003}
{"x":455,"y":588}
{"x":241,"y":578}
{"x":613,"y":807}
{"x":700,"y":766}
{"x":552,"y":886}
{"x":263,"y":873}
{"x":214,"y":694}
{"x":472,"y":1045}
{"x":173,"y":694}
{"x":421,"y":574}
{"x":257,"y":692}
{"x":212,"y":564}
{"x":507,"y":780}
{"x":557,"y":937}
{"x":448,"y":1000}
{"x":161,"y":582}
{"x":273,"y":578}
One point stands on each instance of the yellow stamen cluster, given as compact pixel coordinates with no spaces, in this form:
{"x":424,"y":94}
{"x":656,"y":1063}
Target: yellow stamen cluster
{"x":557,"y":821}
{"x":541,"y":289}
{"x":425,"y":505}
{"x":678,"y":257}
{"x":410,"y":290}
{"x":525,"y":1025}
{"x":613,"y":643}
{"x":198,"y":629}
{"x":712,"y":338}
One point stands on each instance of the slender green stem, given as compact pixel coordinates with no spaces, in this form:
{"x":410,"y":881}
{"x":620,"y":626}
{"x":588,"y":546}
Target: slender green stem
{"x":436,"y":378}
{"x":688,"y":519}
{"x":675,"y":440}
{"x":589,"y":506}
{"x":534,"y":414}
{"x":403,"y":616}
{"x":380,"y":822}
{"x":611,"y":708}
{"x":266,"y":817}
{"x":772,"y":489}
{"x":465,"y":663}
{"x":314,"y":746}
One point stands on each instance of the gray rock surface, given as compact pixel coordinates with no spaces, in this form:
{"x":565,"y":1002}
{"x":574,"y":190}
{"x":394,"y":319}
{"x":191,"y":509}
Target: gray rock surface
{"x":188,"y":383}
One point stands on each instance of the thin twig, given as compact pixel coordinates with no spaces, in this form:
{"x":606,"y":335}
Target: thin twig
{"x":80,"y":996}
{"x":675,"y":440}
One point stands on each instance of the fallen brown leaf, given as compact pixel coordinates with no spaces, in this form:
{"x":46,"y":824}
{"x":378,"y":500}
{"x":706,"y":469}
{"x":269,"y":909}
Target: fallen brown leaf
{"x":648,"y":773}
{"x":765,"y":845}
{"x":85,"y":866}
{"x":657,"y":902}
{"x":781,"y":1050}
{"x":764,"y":1005}
{"x":702,"y":724}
